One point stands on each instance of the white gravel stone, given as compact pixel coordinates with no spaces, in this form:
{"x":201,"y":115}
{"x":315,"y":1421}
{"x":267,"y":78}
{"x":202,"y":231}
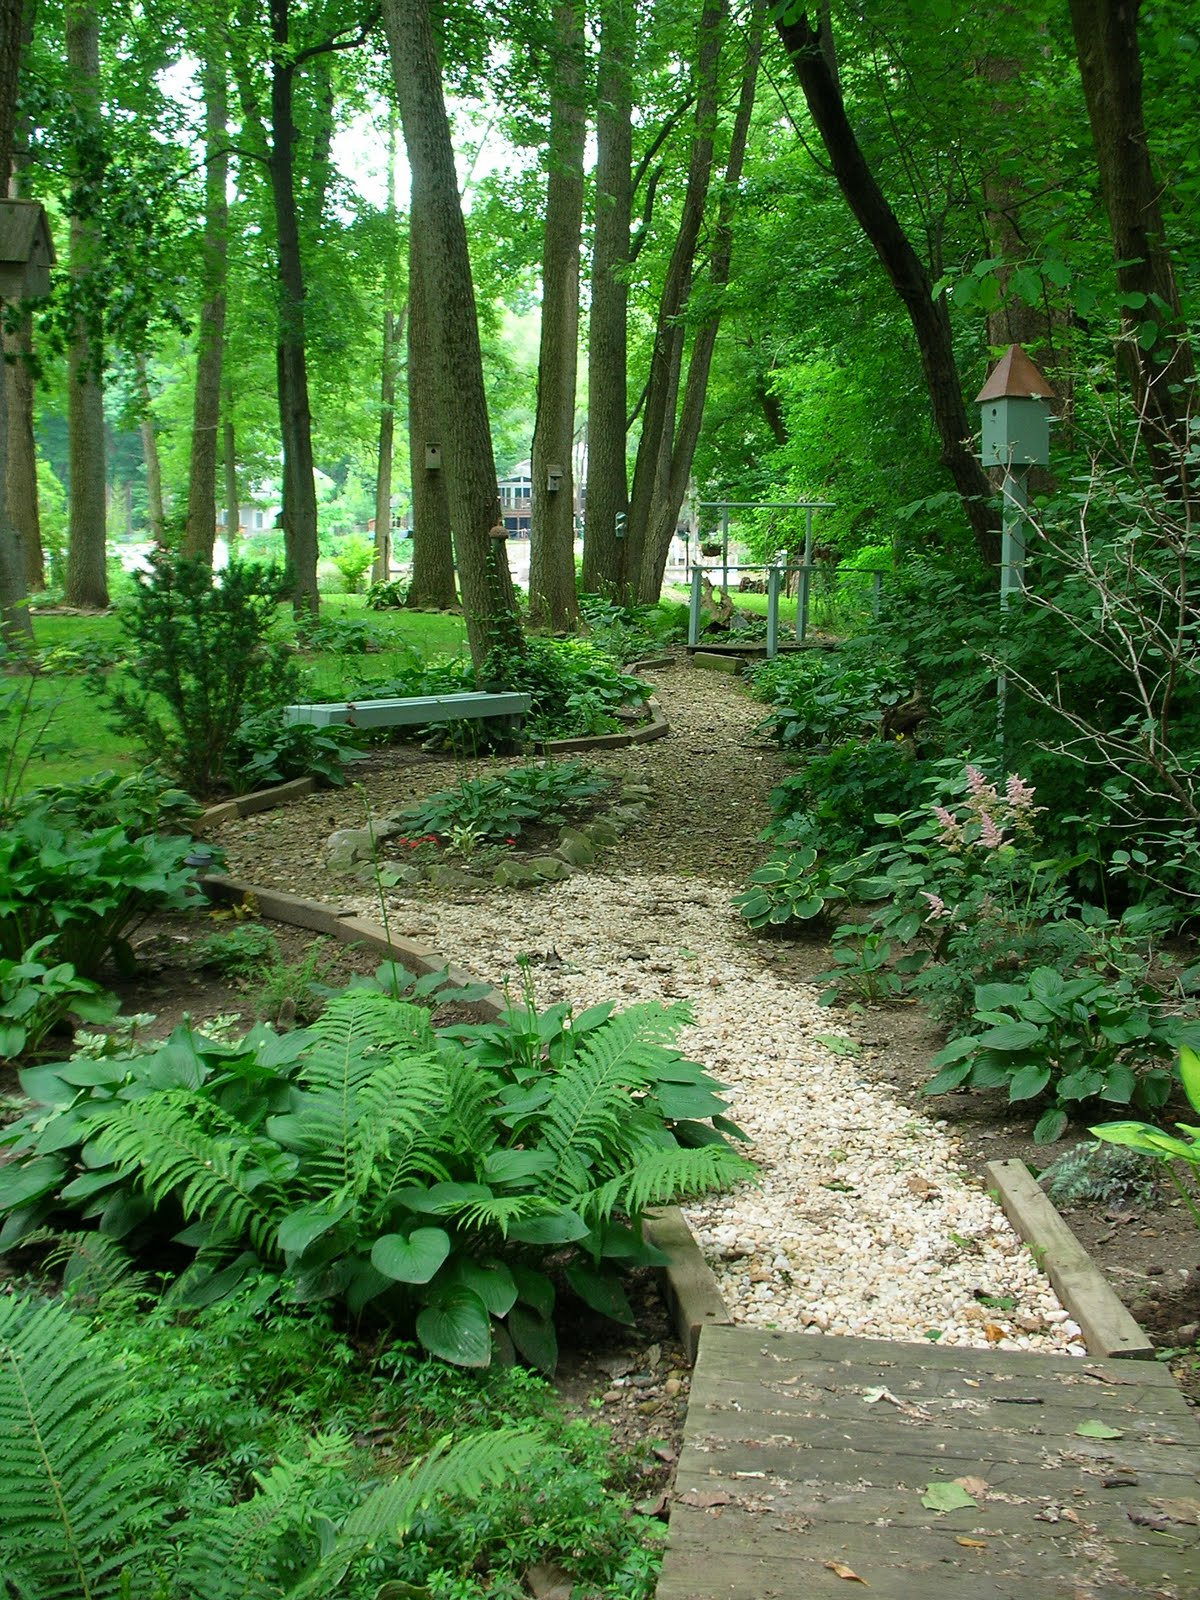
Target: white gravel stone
{"x":863,"y":1222}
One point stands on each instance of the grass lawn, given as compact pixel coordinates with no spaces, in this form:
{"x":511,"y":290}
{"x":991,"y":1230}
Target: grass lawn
{"x":76,"y":742}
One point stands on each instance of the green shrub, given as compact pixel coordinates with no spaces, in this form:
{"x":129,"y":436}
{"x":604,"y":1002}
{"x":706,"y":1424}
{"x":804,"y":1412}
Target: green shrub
{"x":388,"y":594}
{"x":574,"y":687}
{"x":501,"y":806}
{"x":84,"y":892}
{"x":140,"y":803}
{"x":371,"y":1160}
{"x":819,"y":699}
{"x":35,"y":997}
{"x":835,"y":797}
{"x":353,"y":561}
{"x":202,"y":658}
{"x":265,"y":750}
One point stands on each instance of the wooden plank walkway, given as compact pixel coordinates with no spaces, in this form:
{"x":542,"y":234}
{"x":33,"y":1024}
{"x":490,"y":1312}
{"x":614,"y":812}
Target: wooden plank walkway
{"x":804,"y":1453}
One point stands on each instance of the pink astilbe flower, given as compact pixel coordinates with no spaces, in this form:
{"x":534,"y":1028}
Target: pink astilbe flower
{"x":990,"y":836}
{"x":949,"y":823}
{"x":978,"y":786}
{"x":938,"y":909}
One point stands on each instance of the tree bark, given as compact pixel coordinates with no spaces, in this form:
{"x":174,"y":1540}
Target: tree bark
{"x":930,"y":317}
{"x":432,"y":585}
{"x":658,"y":418}
{"x":668,"y":499}
{"x":488,"y":596}
{"x":233,"y":510}
{"x":1155,"y":345}
{"x":553,"y":600}
{"x":87,"y":578}
{"x":201,"y":527}
{"x":291,"y":360}
{"x":607,"y":473}
{"x":156,"y":511}
{"x":381,"y":564}
{"x":22,"y":484}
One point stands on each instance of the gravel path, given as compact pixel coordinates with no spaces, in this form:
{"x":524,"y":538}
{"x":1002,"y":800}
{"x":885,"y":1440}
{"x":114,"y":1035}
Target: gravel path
{"x":863,"y":1222}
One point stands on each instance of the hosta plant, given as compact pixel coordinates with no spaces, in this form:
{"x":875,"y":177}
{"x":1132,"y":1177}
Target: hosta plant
{"x":1063,"y":1042}
{"x":796,"y":884}
{"x":36,"y":995}
{"x":1170,"y":1150}
{"x":370,"y":1159}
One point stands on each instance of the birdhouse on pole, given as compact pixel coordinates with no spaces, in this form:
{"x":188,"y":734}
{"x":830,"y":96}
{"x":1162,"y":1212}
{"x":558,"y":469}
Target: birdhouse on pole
{"x":1016,"y":413}
{"x":26,"y":250}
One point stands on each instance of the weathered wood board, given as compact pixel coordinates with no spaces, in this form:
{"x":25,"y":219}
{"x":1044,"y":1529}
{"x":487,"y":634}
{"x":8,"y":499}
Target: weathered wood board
{"x":808,"y":1454}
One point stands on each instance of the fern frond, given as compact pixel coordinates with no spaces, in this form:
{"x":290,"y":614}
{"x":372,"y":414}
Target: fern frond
{"x":72,"y":1477}
{"x":582,"y":1124}
{"x":662,"y":1176}
{"x":636,"y":1036}
{"x":460,"y":1470}
{"x":95,"y":1266}
{"x":234,"y":1181}
{"x":242,"y":1552}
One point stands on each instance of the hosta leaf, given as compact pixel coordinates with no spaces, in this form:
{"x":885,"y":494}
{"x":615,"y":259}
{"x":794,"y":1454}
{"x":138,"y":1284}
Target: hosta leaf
{"x":534,"y":1289}
{"x":21,"y":1182}
{"x":534,"y":1337}
{"x":1093,"y":1428}
{"x":557,"y":1227}
{"x":1028,"y":1082}
{"x":456,"y":1327}
{"x":947,"y":1497}
{"x":297,"y":1231}
{"x":411,"y":1258}
{"x":601,"y":1291}
{"x":1010,"y":1036}
{"x":1050,"y":1126}
{"x":490,"y":1280}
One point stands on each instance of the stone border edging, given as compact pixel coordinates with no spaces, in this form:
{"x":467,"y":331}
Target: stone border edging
{"x":709,"y":661}
{"x":1108,"y":1328}
{"x":282,"y":794}
{"x":691,"y":1289}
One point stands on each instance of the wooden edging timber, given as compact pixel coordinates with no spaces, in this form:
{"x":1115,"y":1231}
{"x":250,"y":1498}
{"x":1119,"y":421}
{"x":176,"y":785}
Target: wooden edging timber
{"x":1108,"y":1328}
{"x":282,"y":794}
{"x":688,"y":1282}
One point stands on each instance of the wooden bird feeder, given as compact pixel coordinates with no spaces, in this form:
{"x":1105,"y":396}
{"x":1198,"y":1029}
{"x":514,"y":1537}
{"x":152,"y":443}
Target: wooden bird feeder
{"x":26,"y":250}
{"x":1016,"y":413}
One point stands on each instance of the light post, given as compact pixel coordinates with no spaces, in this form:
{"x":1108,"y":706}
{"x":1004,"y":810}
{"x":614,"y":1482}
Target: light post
{"x":1016,"y":436}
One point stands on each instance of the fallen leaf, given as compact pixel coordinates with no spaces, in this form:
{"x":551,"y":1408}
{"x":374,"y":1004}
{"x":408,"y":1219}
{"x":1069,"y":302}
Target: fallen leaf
{"x":921,"y":1187}
{"x":993,"y":1332}
{"x":1109,"y":1377}
{"x":705,"y":1498}
{"x":975,"y":1486}
{"x":843,"y":1571}
{"x":549,"y":1583}
{"x":971,"y":1544}
{"x":947,"y":1497}
{"x":1180,"y":1510}
{"x":1093,"y":1428}
{"x":873,"y":1396}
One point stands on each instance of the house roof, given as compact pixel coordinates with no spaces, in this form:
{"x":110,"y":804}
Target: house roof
{"x":1014,"y":377}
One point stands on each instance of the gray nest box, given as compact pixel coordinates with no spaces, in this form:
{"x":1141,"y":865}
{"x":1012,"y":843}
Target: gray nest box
{"x":26,"y":250}
{"x":1016,"y":413}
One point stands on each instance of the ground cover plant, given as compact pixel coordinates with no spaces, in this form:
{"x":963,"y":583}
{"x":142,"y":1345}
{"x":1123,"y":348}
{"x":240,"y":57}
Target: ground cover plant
{"x":375,"y":1162}
{"x":497,"y":809}
{"x":252,"y":1448}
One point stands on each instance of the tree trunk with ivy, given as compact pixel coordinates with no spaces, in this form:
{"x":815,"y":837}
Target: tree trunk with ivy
{"x":489,"y":599}
{"x":201,"y":527}
{"x":87,"y":577}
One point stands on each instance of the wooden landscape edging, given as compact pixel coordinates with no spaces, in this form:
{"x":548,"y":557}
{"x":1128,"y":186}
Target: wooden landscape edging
{"x":689,"y":1285}
{"x":1108,"y":1328}
{"x":282,"y":794}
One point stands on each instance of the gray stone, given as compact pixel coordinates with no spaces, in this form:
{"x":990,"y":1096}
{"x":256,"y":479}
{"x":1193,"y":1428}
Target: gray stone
{"x":347,"y":847}
{"x":444,"y":877}
{"x":601,"y":832}
{"x":514,"y":875}
{"x":551,"y":868}
{"x":637,"y":791}
{"x":575,"y":848}
{"x":394,"y":872}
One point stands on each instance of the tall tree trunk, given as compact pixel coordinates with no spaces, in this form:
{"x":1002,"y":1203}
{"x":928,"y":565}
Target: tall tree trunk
{"x":16,"y":629}
{"x":381,"y":565}
{"x":156,"y":511}
{"x":22,"y":484}
{"x":233,"y":509}
{"x":553,"y":601}
{"x":87,"y":578}
{"x":658,"y":419}
{"x":930,"y":317}
{"x":1155,"y":345}
{"x":432,"y":585}
{"x":607,"y":477}
{"x":291,"y":362}
{"x":201,"y":527}
{"x":673,"y":485}
{"x":488,"y":596}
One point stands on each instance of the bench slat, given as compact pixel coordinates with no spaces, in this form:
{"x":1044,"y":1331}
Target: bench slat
{"x":415,"y":710}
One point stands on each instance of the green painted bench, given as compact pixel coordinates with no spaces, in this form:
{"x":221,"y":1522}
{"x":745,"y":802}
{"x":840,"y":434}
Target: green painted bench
{"x":415,"y":711}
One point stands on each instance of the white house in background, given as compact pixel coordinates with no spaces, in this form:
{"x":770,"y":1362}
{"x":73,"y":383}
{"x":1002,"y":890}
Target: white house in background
{"x":263,"y":510}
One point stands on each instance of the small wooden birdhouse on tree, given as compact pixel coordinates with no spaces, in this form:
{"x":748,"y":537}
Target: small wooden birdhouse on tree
{"x":26,"y":250}
{"x":1015,"y":413}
